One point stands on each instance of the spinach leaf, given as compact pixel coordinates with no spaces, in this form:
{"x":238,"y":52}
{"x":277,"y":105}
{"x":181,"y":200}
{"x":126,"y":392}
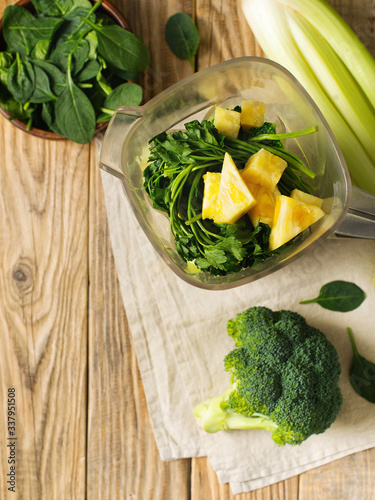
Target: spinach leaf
{"x":57,"y":79}
{"x":45,"y":27}
{"x":6,"y":61}
{"x":82,"y":3}
{"x":92,"y":40}
{"x":182,"y":36}
{"x":339,"y":295}
{"x":121,"y":48}
{"x":127,"y":94}
{"x":48,"y":116}
{"x":80,"y":56}
{"x":75,"y":115}
{"x":21,"y":80}
{"x":362,"y":373}
{"x":16,"y":29}
{"x":104,"y":20}
{"x":41,"y":50}
{"x":103,"y":83}
{"x":73,"y":23}
{"x":79,"y":49}
{"x":3,"y":77}
{"x":16,"y":109}
{"x":53,"y":7}
{"x":42,"y":91}
{"x":89,"y":71}
{"x":122,"y":74}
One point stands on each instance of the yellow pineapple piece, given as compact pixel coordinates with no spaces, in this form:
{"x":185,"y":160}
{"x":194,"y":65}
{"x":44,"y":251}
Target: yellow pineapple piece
{"x":296,"y":194}
{"x":264,"y":168}
{"x":291,"y":218}
{"x":264,"y":208}
{"x":227,"y":122}
{"x":211,"y":190}
{"x":234,"y":198}
{"x":252,"y":114}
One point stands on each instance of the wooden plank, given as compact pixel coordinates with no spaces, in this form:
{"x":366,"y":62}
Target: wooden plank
{"x":147,"y":19}
{"x":224,"y":33}
{"x":205,"y":485}
{"x":351,"y":478}
{"x":43,"y":313}
{"x":122,"y":458}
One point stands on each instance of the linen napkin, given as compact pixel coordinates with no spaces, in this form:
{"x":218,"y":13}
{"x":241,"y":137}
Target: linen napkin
{"x":179,"y":334}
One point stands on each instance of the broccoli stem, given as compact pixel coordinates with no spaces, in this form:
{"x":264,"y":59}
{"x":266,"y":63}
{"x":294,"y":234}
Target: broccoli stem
{"x":214,"y":415}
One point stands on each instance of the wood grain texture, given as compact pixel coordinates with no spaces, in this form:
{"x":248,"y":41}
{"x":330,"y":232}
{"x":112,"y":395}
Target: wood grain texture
{"x":122,"y":458}
{"x":148,"y":19}
{"x":224,"y":32}
{"x":350,"y":478}
{"x":43,"y":312}
{"x":205,"y":485}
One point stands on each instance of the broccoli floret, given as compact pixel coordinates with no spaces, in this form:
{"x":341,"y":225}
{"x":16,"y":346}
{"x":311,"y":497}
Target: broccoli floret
{"x":284,"y":376}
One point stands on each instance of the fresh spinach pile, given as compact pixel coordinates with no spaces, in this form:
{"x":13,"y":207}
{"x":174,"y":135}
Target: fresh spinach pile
{"x":68,"y":67}
{"x":174,"y":181}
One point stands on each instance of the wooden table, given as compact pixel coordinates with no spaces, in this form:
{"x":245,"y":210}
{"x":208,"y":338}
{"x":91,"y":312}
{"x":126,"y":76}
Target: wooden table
{"x":83,"y":429}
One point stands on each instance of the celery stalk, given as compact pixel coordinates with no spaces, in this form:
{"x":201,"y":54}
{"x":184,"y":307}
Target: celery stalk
{"x":342,"y":39}
{"x":336,"y":81}
{"x":269,"y":22}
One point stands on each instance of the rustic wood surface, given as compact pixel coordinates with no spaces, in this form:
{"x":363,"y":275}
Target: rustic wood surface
{"x":83,"y":429}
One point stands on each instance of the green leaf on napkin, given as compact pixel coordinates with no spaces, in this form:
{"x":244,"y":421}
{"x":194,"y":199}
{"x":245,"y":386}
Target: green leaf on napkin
{"x":362,"y":373}
{"x":339,"y":295}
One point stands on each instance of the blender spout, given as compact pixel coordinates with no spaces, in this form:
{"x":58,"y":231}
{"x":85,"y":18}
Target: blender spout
{"x":115,"y":138}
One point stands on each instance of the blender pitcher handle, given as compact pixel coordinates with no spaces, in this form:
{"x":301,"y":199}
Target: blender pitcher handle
{"x":359,"y":222}
{"x":119,"y":127}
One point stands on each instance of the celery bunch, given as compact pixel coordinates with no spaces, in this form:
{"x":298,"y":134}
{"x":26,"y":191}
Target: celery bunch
{"x":315,"y":44}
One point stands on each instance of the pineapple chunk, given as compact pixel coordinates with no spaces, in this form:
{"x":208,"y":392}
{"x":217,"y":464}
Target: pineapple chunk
{"x":264,"y":168}
{"x":296,"y":194}
{"x":211,"y":190}
{"x":252,"y":114}
{"x":234,"y":198}
{"x":291,"y":218}
{"x":264,"y":208}
{"x":227,"y":122}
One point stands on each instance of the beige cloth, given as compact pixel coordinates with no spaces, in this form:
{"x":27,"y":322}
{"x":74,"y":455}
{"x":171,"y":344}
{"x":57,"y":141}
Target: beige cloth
{"x":180,"y":338}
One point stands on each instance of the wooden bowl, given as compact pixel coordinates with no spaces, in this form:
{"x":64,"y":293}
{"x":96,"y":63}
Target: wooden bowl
{"x":108,"y":9}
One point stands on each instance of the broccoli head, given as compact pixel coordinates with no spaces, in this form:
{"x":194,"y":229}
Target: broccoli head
{"x":284,"y":376}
